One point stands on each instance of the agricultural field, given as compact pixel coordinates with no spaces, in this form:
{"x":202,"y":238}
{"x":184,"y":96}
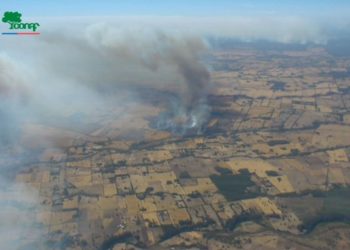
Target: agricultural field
{"x":269,"y":169}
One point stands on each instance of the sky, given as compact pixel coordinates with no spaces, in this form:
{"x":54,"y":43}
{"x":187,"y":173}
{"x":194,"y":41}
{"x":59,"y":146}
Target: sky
{"x":175,"y":8}
{"x":288,"y":21}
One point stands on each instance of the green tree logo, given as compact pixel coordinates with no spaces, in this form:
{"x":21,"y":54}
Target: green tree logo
{"x":12,"y":17}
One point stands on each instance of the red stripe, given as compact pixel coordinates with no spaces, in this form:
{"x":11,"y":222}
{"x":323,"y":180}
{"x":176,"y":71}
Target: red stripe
{"x":28,"y":33}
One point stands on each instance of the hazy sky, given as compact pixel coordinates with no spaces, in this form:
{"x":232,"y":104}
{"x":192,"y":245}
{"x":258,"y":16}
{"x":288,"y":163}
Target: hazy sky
{"x":279,"y":20}
{"x":177,"y":8}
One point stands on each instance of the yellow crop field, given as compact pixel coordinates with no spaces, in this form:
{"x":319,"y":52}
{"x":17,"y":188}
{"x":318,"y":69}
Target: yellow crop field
{"x":338,"y":155}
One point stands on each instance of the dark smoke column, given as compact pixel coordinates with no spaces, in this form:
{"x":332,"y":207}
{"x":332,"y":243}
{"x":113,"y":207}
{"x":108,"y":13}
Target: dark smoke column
{"x":189,"y":110}
{"x":139,"y":59}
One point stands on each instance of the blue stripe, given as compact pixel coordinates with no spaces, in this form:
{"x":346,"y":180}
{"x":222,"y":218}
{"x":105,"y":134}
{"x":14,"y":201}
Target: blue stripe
{"x":9,"y":33}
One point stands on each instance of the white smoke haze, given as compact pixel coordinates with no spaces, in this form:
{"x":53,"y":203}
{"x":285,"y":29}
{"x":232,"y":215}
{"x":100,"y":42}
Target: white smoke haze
{"x":92,"y":70}
{"x":174,"y":61}
{"x":19,"y":205}
{"x":271,"y":26}
{"x":95,"y":71}
{"x":89,"y":64}
{"x":102,"y":65}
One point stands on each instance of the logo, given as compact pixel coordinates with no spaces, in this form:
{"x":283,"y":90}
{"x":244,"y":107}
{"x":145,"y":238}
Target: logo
{"x":14,"y":19}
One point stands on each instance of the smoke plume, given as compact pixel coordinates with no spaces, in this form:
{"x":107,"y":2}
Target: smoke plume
{"x":157,"y":51}
{"x":66,"y":85}
{"x":109,"y":58}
